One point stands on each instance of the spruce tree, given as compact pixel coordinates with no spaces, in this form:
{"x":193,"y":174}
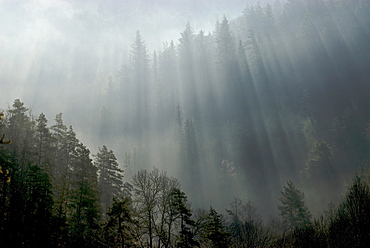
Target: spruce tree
{"x":20,"y":131}
{"x":83,"y":214}
{"x":110,"y":177}
{"x":215,"y":230}
{"x":117,"y":229}
{"x":140,"y":86}
{"x":43,"y":144}
{"x":183,"y":212}
{"x":293,"y":210}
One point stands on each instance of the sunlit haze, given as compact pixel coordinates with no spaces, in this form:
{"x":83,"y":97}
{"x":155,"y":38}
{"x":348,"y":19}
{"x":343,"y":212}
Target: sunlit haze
{"x":235,"y":99}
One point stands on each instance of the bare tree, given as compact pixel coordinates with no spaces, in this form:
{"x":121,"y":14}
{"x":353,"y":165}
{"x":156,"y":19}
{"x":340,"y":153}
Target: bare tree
{"x":152,"y":191}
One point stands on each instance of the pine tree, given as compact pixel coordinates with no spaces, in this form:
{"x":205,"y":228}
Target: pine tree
{"x":293,"y":210}
{"x":110,"y":177}
{"x":187,"y":68}
{"x":20,"y":131}
{"x":141,"y":87}
{"x":215,"y":230}
{"x":350,"y":225}
{"x":189,"y":158}
{"x":320,"y":165}
{"x":183,"y":212}
{"x":83,"y":207}
{"x":43,"y":144}
{"x":168,"y":75}
{"x":117,"y":229}
{"x":38,"y":208}
{"x":229,"y":70}
{"x":64,"y":145}
{"x":59,"y":136}
{"x":225,"y":44}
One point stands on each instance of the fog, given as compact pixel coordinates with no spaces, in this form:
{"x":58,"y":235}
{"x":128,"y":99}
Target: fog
{"x":230,"y":97}
{"x":51,"y":47}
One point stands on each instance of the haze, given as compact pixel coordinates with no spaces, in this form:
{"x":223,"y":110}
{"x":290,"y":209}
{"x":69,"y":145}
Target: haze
{"x":257,"y":96}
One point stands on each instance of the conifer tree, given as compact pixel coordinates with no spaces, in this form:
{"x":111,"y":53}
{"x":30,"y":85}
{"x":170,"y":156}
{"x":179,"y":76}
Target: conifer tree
{"x":20,"y":130}
{"x":225,"y":44}
{"x":140,"y":88}
{"x":168,"y":75}
{"x":293,"y":210}
{"x":183,"y":212}
{"x":350,"y":225}
{"x":83,"y":214}
{"x":117,"y":229}
{"x":110,"y":177}
{"x":189,"y":157}
{"x":187,"y":69}
{"x":38,"y":206}
{"x":64,"y":145}
{"x":320,"y":165}
{"x":43,"y":144}
{"x":215,"y":230}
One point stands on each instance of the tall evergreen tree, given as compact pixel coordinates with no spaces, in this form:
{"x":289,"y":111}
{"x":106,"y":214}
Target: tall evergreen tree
{"x":140,"y":86}
{"x":168,"y":74}
{"x":38,"y":222}
{"x":320,"y":165}
{"x":293,"y":210}
{"x":228,"y":67}
{"x":215,"y":230}
{"x":20,"y":131}
{"x":83,"y":205}
{"x":64,"y":143}
{"x":183,"y":212}
{"x":350,"y":225}
{"x":225,"y":44}
{"x":187,"y":68}
{"x":117,"y":229}
{"x":110,"y":177}
{"x":190,"y":159}
{"x":43,"y":144}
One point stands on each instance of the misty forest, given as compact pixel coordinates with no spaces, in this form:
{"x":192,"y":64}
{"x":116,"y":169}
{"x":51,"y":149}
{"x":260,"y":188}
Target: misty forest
{"x":119,"y":131}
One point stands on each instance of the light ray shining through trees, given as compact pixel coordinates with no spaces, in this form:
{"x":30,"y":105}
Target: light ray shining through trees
{"x":232,"y":100}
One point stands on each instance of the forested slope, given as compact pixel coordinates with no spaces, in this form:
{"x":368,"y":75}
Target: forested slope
{"x":269,"y":105}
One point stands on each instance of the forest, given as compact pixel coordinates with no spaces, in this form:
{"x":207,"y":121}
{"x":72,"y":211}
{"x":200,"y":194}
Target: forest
{"x":256,"y":134}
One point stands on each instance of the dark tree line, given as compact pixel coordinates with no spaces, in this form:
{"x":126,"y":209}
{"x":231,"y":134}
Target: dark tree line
{"x":53,"y":194}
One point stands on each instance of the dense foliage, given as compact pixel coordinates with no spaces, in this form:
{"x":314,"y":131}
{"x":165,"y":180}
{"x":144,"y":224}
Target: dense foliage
{"x":69,"y":200}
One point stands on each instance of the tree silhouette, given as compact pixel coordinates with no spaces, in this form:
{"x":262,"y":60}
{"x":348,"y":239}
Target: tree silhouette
{"x":293,"y":210}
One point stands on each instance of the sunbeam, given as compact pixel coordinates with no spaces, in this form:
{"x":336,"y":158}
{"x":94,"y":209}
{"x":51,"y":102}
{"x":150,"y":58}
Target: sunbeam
{"x":184,"y":123}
